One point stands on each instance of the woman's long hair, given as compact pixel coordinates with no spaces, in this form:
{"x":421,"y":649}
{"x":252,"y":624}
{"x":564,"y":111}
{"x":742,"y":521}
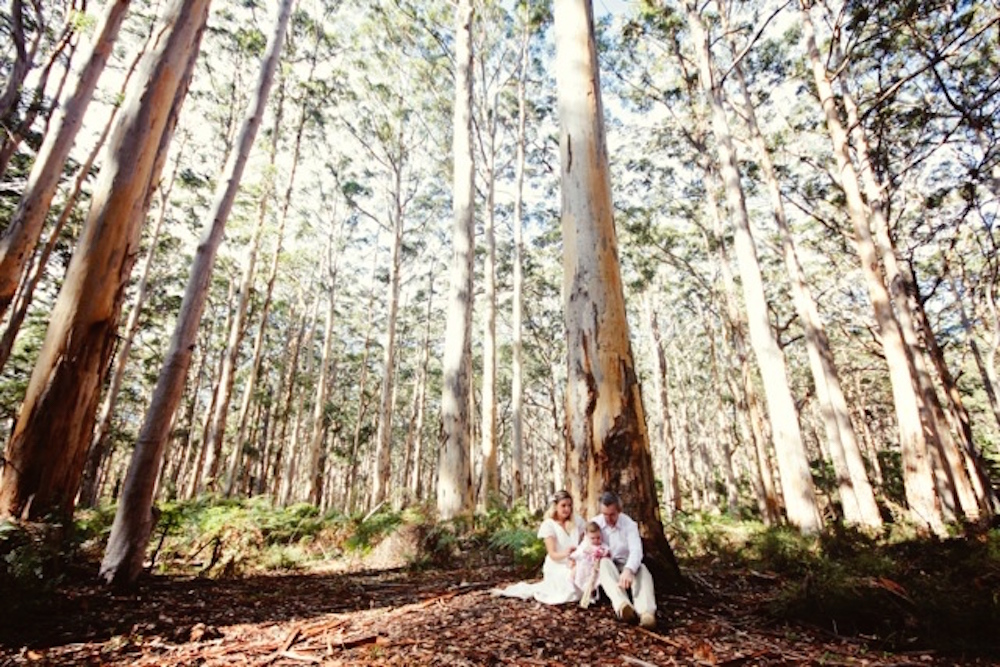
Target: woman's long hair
{"x":554,"y":500}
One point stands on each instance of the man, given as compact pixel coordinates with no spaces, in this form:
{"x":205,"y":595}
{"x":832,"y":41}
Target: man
{"x":623,"y":572}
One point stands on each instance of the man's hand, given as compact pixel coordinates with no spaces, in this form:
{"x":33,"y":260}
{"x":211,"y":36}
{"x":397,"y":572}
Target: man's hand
{"x":626,"y":579}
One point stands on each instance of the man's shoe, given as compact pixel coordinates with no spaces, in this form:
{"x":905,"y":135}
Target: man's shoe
{"x":627,"y":613}
{"x":647,"y":620}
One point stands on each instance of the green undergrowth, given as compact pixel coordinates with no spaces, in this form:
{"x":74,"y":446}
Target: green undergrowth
{"x":898,"y":590}
{"x":213,"y":537}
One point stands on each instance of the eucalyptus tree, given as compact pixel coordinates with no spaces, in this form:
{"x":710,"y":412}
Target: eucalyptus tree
{"x":910,"y":414}
{"x":796,"y":481}
{"x":605,"y":423}
{"x":24,"y":229}
{"x":130,"y":532}
{"x":454,"y":484}
{"x":49,"y":442}
{"x":856,"y":496}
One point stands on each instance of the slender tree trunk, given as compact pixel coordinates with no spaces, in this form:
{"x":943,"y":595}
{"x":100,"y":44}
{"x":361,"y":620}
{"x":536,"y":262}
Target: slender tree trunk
{"x":415,"y":440}
{"x":490,"y":485}
{"x":793,"y":464}
{"x":293,"y":447}
{"x":133,"y":522}
{"x":856,"y":495}
{"x":517,"y":361}
{"x":47,"y":450}
{"x":917,"y":476}
{"x":217,"y":434}
{"x":668,"y":471}
{"x":454,"y":485}
{"x":22,"y":233}
{"x":383,"y":438}
{"x":954,"y":487}
{"x":317,"y":453}
{"x":770,"y":503}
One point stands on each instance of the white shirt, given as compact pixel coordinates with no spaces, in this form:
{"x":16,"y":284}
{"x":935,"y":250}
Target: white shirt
{"x":623,"y":540}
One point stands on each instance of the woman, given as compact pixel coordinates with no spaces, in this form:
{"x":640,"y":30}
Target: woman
{"x":561,"y":530}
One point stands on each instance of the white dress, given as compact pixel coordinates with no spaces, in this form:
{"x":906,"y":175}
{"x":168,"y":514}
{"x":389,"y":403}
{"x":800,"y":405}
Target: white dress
{"x":556,"y":586}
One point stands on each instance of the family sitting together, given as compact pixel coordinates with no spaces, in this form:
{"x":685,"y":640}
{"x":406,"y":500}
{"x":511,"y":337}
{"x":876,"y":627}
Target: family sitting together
{"x":605,"y":553}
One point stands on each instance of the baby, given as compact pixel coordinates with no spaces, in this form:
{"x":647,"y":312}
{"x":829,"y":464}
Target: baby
{"x":586,"y":563}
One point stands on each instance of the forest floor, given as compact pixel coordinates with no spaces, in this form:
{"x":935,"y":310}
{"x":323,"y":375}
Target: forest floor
{"x":342,"y":615}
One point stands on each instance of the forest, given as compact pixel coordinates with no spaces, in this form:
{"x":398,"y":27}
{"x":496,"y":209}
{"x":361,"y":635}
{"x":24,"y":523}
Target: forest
{"x":317,"y":287}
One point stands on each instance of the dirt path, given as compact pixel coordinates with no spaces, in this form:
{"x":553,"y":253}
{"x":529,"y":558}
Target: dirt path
{"x":399,"y":617}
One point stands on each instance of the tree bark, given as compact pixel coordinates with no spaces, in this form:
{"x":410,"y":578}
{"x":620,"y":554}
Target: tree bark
{"x":605,"y":424}
{"x":793,"y":464}
{"x":50,"y":439}
{"x":22,"y":233}
{"x":454,"y":485}
{"x":133,"y":522}
{"x":917,"y":478}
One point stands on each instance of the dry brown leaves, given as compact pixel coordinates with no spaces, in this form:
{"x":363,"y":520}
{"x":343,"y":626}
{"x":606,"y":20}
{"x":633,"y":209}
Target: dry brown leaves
{"x":404,"y":618}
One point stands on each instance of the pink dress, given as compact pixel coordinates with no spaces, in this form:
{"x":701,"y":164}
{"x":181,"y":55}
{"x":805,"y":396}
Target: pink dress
{"x":587,"y":557}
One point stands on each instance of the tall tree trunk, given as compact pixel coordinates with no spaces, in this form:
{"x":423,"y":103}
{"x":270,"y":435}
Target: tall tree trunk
{"x":317,"y":454}
{"x":490,"y":479}
{"x":413,"y":482}
{"x":856,"y":495}
{"x":258,"y":346}
{"x":605,"y":425}
{"x":133,"y":522}
{"x":517,"y":360}
{"x":954,"y":487}
{"x":106,"y":414}
{"x":22,"y":233}
{"x":47,"y":449}
{"x":769,"y":501}
{"x":454,"y":485}
{"x":294,"y":444}
{"x":383,"y":438}
{"x":206,"y":422}
{"x":793,"y":464}
{"x":668,"y":448}
{"x":917,"y":477}
{"x":217,"y":434}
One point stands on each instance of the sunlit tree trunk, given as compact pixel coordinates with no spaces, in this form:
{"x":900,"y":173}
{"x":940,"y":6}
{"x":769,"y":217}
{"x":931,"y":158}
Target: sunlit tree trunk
{"x":97,"y":448}
{"x":517,"y":361}
{"x":23,"y":231}
{"x":489,"y":489}
{"x":668,"y":447}
{"x":415,"y":437}
{"x":605,"y":425}
{"x":133,"y":522}
{"x":793,"y":465}
{"x":749,"y":403}
{"x":46,"y":451}
{"x":317,"y":453}
{"x":954,"y":488}
{"x":454,"y":484}
{"x":383,"y":440}
{"x":856,"y":495}
{"x":917,"y":477}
